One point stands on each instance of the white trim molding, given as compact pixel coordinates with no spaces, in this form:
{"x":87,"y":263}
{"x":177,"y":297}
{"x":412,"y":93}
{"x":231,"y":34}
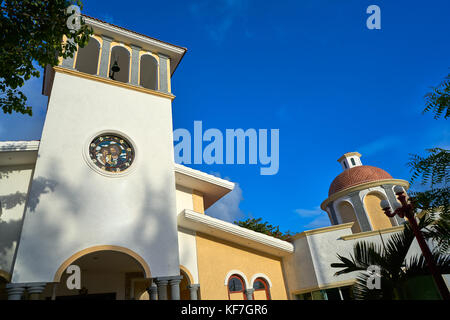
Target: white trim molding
{"x":8,"y":146}
{"x":239,"y":273}
{"x":212,"y":188}
{"x":119,"y":34}
{"x":260,"y":275}
{"x":203,"y":176}
{"x":233,"y":233}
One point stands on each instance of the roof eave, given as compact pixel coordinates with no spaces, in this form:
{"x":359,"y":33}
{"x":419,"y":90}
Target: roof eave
{"x":212,"y":187}
{"x":233,"y":233}
{"x":176,"y":53}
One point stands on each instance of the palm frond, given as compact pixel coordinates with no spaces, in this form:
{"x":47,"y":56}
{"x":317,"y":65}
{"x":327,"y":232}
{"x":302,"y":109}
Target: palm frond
{"x":417,"y":266}
{"x":364,"y":255}
{"x":397,"y":247}
{"x":387,"y":291}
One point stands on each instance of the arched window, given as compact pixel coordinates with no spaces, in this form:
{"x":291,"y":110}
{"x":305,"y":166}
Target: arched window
{"x":347,"y":213}
{"x":261,"y":288}
{"x":236,"y":288}
{"x":120,"y":55}
{"x":149,"y":72}
{"x":87,"y":57}
{"x":376,"y":215}
{"x":353,"y":161}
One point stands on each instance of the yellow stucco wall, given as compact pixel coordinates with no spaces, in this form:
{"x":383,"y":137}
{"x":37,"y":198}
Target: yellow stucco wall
{"x":216,"y":258}
{"x":197,"y":198}
{"x":169,"y":77}
{"x":376,"y":215}
{"x":260,"y":295}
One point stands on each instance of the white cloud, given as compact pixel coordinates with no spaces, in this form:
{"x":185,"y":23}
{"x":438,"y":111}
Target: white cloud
{"x":320,"y":222}
{"x":314,"y":218}
{"x":308,"y":213}
{"x":227,"y":208}
{"x":380,"y":144}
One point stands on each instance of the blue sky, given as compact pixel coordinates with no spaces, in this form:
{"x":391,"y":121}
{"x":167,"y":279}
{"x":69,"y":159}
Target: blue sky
{"x":310,"y":68}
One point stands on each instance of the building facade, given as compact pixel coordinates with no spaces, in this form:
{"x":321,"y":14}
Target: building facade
{"x":101,"y":192}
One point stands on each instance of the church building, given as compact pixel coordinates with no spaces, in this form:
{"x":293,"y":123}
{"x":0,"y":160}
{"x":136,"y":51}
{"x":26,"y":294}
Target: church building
{"x":101,"y":192}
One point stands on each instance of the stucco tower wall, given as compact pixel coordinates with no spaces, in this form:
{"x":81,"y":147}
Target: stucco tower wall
{"x":76,"y":207}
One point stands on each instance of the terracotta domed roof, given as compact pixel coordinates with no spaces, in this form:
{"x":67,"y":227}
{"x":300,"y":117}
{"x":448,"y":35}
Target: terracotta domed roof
{"x":356,"y":176}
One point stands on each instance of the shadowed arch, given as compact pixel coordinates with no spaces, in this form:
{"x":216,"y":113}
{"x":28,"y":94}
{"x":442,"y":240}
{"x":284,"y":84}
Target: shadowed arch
{"x":149,"y":72}
{"x":188,"y":274}
{"x":185,"y":282}
{"x":122,"y":55}
{"x":348,"y":214}
{"x":79,"y":254}
{"x":88,"y":57}
{"x":5,"y":275}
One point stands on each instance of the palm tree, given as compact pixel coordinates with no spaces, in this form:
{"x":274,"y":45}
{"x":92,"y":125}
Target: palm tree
{"x":395,"y":269}
{"x":434,"y":171}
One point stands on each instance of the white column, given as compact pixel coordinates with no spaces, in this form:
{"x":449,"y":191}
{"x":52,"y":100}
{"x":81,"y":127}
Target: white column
{"x":15,"y":290}
{"x":153,"y":291}
{"x":35,"y":290}
{"x":135,"y":64}
{"x":162,"y":288}
{"x":249,"y":293}
{"x":175,"y":287}
{"x":104,"y":57}
{"x":193,"y":290}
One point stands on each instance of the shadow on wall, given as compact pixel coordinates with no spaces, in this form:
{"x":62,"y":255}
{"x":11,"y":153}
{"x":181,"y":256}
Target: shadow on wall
{"x":9,"y":236}
{"x":151,"y":222}
{"x":40,"y":186}
{"x":10,"y":229}
{"x":12,"y":200}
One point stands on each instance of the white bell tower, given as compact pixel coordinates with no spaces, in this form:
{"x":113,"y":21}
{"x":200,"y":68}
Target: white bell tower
{"x":104,"y":177}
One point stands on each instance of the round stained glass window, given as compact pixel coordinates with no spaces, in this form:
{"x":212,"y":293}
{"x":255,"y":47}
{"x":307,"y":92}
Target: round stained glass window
{"x":111,"y":153}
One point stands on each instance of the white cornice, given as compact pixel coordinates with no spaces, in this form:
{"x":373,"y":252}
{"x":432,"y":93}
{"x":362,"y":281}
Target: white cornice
{"x":203,"y":176}
{"x":234,"y":233}
{"x":120,"y":34}
{"x":135,"y":36}
{"x":8,"y":146}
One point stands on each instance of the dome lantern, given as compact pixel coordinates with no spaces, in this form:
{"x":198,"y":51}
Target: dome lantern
{"x":350,"y":160}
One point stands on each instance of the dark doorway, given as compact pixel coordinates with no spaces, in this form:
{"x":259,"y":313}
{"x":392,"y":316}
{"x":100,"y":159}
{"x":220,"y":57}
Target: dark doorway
{"x":96,"y":296}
